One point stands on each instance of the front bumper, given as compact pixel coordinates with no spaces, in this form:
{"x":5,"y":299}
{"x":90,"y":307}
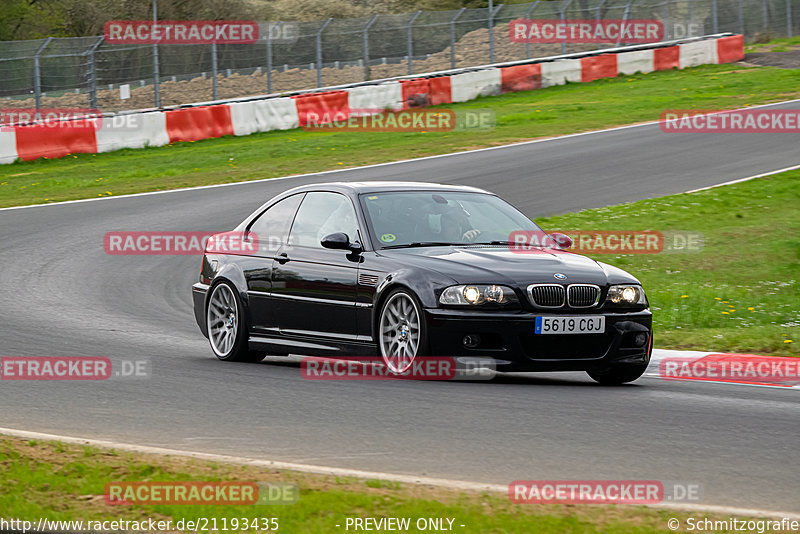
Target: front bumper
{"x":508,"y":338}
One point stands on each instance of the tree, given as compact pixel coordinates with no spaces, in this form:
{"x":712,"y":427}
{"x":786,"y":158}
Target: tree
{"x":31,"y":19}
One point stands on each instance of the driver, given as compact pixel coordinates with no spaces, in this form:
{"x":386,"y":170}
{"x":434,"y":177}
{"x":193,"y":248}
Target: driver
{"x":449,"y":221}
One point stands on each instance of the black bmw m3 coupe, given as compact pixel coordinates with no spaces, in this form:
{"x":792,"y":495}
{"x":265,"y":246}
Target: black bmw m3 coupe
{"x":405,"y":270}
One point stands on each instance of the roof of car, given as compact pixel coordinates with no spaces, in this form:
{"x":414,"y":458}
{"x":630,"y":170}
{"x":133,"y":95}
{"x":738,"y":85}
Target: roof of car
{"x":383,"y":186}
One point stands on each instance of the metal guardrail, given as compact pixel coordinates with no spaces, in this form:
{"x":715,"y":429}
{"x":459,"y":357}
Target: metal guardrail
{"x":448,"y":72}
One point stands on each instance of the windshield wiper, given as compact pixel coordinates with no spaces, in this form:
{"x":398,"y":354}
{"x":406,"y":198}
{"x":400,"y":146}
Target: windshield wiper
{"x":510,"y":243}
{"x":423,"y":244}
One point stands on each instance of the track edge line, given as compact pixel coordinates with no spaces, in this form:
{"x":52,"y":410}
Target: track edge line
{"x":339,"y":471}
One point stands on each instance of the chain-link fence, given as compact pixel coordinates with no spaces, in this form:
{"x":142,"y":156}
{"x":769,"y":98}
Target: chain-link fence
{"x":88,"y":72}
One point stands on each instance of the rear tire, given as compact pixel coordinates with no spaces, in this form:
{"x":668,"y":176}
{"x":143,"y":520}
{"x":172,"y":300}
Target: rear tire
{"x":227,"y":330}
{"x":618,"y":374}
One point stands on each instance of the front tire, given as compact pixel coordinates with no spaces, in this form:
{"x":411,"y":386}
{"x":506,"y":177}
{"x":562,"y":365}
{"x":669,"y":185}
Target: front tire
{"x":402,"y":333}
{"x":618,"y":374}
{"x":227,"y":330}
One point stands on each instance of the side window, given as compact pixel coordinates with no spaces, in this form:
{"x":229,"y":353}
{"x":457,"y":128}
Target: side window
{"x":272,"y":226}
{"x":320,"y":214}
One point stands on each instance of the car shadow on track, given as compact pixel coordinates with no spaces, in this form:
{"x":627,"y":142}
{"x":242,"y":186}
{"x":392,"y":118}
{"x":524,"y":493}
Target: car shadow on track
{"x":570,"y":378}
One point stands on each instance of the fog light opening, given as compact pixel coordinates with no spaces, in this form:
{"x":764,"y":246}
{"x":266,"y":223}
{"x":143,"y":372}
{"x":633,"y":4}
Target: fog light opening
{"x":471,"y":341}
{"x":640,"y":339}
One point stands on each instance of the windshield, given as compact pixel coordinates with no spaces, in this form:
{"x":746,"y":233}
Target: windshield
{"x":417,"y":218}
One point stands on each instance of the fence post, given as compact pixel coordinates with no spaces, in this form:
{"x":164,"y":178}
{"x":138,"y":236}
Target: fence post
{"x":366,"y":46}
{"x":789,"y":18}
{"x":626,"y":14}
{"x":214,"y":70}
{"x":37,"y":74}
{"x":319,"y":51}
{"x":714,"y":18}
{"x":156,"y":86}
{"x":269,"y":53}
{"x":741,"y":17}
{"x":90,"y":54}
{"x":597,"y":19}
{"x":528,"y":17}
{"x":492,"y":15}
{"x":689,"y":27}
{"x":410,"y":43}
{"x":453,"y":37}
{"x":490,"y":27}
{"x":563,"y":9}
{"x":764,"y":13}
{"x":667,"y":32}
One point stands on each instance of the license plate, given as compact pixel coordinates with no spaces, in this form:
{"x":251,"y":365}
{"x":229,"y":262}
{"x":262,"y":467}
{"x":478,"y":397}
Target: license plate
{"x":582,"y":324}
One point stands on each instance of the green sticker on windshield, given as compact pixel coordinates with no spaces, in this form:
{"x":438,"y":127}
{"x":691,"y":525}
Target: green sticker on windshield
{"x":388,"y":238}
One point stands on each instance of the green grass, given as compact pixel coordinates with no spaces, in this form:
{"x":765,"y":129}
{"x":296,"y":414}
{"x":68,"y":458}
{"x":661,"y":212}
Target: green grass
{"x":741,"y":293}
{"x":66,"y":482}
{"x":520,"y":116}
{"x":776,"y":45}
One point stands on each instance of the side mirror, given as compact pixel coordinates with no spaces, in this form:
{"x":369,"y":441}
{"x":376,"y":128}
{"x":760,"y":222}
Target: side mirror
{"x":340,"y":241}
{"x":562,"y":240}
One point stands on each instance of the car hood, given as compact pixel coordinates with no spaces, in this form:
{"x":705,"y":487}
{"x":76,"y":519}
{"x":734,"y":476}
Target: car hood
{"x":499,"y":265}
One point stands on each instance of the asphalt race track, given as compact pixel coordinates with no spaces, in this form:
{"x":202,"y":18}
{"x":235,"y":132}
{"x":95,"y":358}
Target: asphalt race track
{"x":63,"y":296}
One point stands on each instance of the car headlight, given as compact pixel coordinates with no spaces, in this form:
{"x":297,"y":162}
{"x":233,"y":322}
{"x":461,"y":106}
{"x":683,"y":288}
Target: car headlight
{"x":626,"y":295}
{"x":468,"y":295}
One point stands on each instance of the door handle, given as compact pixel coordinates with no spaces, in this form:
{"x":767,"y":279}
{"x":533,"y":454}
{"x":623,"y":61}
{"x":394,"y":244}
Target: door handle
{"x":282,"y":258}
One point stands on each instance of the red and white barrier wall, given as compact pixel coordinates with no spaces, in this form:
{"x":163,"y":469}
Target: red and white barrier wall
{"x":8,"y":147}
{"x":159,"y":128}
{"x":263,"y":116}
{"x":149,"y":129}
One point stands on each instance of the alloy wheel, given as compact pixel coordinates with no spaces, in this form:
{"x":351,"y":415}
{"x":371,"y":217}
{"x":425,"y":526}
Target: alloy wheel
{"x":223,"y":320}
{"x":400,"y":332}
